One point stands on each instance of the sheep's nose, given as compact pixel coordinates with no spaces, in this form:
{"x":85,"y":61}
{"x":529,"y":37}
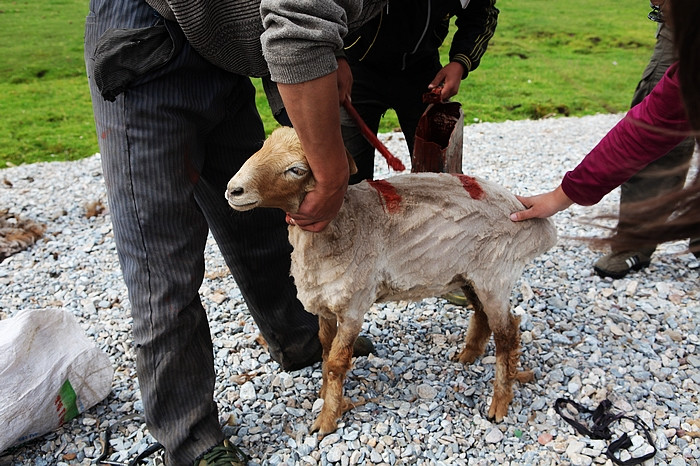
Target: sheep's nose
{"x":233,"y":192}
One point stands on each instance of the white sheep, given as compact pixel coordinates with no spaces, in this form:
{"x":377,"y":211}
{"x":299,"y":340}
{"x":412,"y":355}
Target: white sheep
{"x":407,"y":237}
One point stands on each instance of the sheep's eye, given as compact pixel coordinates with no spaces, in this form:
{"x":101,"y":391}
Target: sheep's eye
{"x":297,"y":170}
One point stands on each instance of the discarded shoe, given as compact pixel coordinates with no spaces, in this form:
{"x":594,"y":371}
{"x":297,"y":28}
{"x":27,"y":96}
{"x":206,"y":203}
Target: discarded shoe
{"x":598,"y":425}
{"x":224,"y":454}
{"x":619,"y":264}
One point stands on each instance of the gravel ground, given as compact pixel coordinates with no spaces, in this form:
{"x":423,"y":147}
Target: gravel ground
{"x":634,"y":341}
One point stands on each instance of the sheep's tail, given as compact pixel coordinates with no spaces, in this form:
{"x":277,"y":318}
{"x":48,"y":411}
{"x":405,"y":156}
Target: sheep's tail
{"x":544,"y":236}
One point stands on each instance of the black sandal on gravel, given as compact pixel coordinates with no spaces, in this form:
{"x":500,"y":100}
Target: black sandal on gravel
{"x":602,"y":417}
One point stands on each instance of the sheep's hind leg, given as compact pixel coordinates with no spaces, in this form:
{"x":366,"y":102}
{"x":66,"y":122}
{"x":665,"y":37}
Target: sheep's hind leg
{"x":479,"y":331}
{"x":335,"y":367}
{"x":507,"y":359}
{"x":327,"y":330}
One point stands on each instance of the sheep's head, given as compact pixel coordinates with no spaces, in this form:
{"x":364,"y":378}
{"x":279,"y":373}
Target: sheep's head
{"x":278,"y":175}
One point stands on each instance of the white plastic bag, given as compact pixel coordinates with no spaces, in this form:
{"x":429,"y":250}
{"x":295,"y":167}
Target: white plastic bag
{"x":49,"y":373}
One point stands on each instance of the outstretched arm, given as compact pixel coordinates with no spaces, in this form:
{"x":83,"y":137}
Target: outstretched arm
{"x":650,"y":130}
{"x":542,"y":205}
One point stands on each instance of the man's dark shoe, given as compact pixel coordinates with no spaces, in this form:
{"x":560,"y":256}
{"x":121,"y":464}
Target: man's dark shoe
{"x":224,"y":454}
{"x":363,"y":347}
{"x":618,"y":264}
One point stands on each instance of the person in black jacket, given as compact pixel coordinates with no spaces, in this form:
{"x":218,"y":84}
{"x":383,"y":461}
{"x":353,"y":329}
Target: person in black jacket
{"x":395,"y":60}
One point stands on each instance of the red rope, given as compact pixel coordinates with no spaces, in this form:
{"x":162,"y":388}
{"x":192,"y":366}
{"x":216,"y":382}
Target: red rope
{"x":372,"y":138}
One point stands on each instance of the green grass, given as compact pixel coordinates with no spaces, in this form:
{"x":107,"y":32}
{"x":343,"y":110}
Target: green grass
{"x":45,"y":111}
{"x":548,"y":57}
{"x":557,"y":57}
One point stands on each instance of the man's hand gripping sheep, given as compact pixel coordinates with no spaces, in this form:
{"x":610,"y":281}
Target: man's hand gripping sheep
{"x":408,"y":237}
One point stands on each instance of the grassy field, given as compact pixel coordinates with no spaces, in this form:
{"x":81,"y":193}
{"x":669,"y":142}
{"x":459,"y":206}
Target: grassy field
{"x":548,"y":57}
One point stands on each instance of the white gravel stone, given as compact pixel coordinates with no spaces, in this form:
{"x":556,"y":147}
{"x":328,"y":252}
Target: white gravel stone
{"x":248,"y":391}
{"x":426,"y":392}
{"x":494,"y":436}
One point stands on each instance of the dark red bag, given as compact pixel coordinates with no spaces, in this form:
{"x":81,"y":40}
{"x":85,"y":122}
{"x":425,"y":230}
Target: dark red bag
{"x":438,"y":142}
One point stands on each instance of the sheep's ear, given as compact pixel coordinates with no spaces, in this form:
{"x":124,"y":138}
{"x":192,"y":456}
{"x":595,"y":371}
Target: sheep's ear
{"x":351,"y":163}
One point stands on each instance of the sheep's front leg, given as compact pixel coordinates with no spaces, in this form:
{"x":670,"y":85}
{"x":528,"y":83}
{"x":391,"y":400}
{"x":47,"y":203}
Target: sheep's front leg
{"x":335,"y":366}
{"x":327,"y":330}
{"x":507,"y":358}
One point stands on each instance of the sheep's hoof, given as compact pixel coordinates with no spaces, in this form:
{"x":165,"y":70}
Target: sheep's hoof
{"x":498,"y":410}
{"x":468,"y":355}
{"x":494,"y":417}
{"x":324,"y":425}
{"x":525,"y":376}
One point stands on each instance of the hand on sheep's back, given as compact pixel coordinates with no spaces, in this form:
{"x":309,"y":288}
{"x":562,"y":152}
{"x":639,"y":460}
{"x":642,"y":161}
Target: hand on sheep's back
{"x":542,"y":205}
